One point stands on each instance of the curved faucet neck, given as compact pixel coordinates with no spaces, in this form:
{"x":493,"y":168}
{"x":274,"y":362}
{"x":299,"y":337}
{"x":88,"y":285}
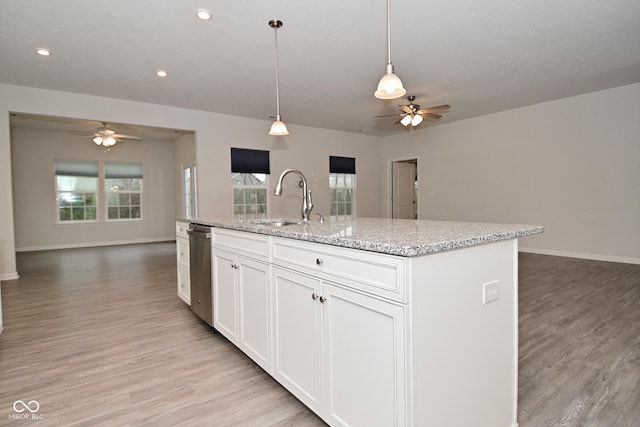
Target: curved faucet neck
{"x":307,"y":203}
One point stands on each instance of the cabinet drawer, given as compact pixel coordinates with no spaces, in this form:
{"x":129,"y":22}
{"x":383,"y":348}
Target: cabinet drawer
{"x":181,"y":229}
{"x":248,"y":244}
{"x":379,"y":274}
{"x":182,"y":251}
{"x":184,"y":284}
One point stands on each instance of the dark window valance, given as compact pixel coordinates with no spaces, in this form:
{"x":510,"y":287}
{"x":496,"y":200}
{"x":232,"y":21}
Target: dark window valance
{"x":342,"y":164}
{"x":249,"y":161}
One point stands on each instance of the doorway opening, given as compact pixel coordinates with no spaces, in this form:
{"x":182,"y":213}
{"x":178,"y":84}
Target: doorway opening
{"x":404,"y":189}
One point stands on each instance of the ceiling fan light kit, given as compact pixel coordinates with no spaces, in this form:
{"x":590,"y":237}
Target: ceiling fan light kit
{"x":105,"y":137}
{"x":278,"y":128}
{"x":390,"y":85}
{"x":105,"y":142}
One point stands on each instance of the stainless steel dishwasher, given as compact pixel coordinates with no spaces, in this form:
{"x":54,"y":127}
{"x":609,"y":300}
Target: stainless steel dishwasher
{"x":200,"y":271}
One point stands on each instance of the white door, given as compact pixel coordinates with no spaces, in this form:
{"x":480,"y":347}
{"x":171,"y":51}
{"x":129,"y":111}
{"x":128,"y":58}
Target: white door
{"x":254,"y":299}
{"x":365,"y":357}
{"x":224,"y":294}
{"x":403,"y":190}
{"x":298,"y":340}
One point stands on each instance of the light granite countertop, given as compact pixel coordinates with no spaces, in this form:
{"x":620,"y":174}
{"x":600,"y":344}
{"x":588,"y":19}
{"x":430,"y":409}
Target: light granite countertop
{"x":401,"y":237}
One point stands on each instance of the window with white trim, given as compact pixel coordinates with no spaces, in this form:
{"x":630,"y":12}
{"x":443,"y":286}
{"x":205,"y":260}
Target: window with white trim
{"x":250,"y":182}
{"x":342,"y":185}
{"x":123,"y":191}
{"x":76,"y":190}
{"x":249,"y":195}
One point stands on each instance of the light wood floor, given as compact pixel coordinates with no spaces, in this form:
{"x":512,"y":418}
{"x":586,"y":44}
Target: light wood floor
{"x":99,"y":337}
{"x":579,"y":343}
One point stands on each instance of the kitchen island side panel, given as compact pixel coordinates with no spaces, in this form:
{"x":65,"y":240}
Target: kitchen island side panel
{"x":464,"y":352}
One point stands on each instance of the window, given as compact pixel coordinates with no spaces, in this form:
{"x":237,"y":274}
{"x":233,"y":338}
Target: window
{"x":190,"y":192}
{"x":123,"y":190}
{"x":250,"y":181}
{"x":249,"y":195}
{"x":342,"y":180}
{"x":76,"y":190}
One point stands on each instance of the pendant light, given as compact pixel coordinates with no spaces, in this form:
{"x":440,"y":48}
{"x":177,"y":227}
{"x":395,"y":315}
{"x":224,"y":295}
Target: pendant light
{"x":390,"y":86}
{"x":278,"y":128}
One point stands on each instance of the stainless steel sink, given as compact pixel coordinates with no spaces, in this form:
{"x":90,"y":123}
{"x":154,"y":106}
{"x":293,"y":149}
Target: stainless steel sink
{"x":277,"y":222}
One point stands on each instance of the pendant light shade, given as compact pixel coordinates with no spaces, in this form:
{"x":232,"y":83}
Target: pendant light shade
{"x":278,"y":128}
{"x":390,"y":86}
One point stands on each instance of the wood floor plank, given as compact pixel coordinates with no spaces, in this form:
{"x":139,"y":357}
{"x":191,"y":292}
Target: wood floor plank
{"x":99,"y":337}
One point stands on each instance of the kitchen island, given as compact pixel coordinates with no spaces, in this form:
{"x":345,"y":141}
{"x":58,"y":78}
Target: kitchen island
{"x":376,"y":322}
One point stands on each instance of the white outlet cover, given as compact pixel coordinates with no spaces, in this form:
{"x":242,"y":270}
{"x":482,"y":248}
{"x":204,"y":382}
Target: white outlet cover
{"x":490,"y":291}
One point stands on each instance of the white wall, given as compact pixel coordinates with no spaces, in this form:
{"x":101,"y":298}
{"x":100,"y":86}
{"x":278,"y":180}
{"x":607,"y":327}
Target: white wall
{"x":571,"y":165}
{"x":34,"y":152}
{"x":307,"y":149}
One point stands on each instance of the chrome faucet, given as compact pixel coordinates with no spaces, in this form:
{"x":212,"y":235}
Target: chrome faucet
{"x":307,"y":203}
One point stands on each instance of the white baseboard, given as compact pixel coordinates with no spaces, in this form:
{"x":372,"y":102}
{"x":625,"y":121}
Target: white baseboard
{"x":595,"y":257}
{"x":93,"y":244}
{"x":9,"y":276}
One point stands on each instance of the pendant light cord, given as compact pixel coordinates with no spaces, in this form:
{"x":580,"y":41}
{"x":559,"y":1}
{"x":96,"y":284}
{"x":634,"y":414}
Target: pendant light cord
{"x":388,"y":31}
{"x":277,"y":78}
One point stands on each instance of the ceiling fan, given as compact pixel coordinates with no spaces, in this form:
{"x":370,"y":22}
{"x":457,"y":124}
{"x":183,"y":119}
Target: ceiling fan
{"x":106,"y":137}
{"x":412,"y":115}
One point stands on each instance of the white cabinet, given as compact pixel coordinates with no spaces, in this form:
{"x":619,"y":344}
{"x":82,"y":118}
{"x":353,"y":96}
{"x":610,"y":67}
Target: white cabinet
{"x":225,"y":295}
{"x":182,"y":261}
{"x":298,"y":335}
{"x":340,"y":351}
{"x":364,"y":359}
{"x":241,"y":293}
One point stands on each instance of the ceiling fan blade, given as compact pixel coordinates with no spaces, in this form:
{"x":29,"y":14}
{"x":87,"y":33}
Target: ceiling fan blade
{"x":387,"y":115}
{"x":129,"y":137}
{"x":81,"y":133}
{"x":437,"y":108}
{"x":405,"y":108}
{"x":431,"y":116}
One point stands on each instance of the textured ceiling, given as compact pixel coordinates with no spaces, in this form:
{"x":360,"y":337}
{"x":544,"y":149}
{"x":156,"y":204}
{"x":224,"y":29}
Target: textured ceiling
{"x":479,"y":57}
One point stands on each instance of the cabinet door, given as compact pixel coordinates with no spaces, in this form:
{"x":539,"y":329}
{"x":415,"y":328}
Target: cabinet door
{"x":364,"y":356}
{"x":297,"y":336}
{"x":254,"y":313}
{"x":224,"y":294}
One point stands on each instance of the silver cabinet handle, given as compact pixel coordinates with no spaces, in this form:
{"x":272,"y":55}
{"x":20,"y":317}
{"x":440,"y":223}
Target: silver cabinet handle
{"x":319,"y":261}
{"x":314,"y":296}
{"x":322,"y":299}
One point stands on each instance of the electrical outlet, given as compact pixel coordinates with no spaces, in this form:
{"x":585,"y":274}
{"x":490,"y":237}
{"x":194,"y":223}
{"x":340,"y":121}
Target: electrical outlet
{"x":490,"y":291}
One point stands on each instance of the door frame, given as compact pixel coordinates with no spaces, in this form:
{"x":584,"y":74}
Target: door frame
{"x":389,"y":202}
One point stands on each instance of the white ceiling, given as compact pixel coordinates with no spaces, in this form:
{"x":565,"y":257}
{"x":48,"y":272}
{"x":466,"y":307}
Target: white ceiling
{"x":479,"y":57}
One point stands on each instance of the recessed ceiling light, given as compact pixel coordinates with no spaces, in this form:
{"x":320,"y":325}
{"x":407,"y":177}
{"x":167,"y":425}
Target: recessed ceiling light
{"x":161,"y":73}
{"x":203,"y":14}
{"x":43,"y":52}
